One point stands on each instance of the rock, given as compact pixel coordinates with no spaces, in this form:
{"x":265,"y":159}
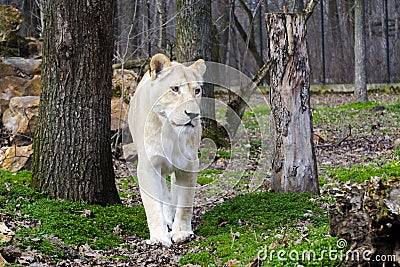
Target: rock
{"x":11,"y":44}
{"x":32,"y":87}
{"x":11,"y":87}
{"x":28,"y":66}
{"x":367,"y":216}
{"x":396,"y":144}
{"x":21,"y":116}
{"x":130,"y":82}
{"x":129,"y":152}
{"x":15,"y":158}
{"x":7,"y":70}
{"x":10,"y":22}
{"x":34,"y":47}
{"x":115,"y":114}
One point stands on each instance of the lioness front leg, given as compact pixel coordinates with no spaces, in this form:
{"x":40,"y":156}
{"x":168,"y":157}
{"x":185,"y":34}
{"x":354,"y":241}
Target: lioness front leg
{"x":168,"y":204}
{"x":183,"y":193}
{"x":151,"y":192}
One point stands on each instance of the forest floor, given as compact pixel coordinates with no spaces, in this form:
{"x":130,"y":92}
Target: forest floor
{"x":353,"y":143}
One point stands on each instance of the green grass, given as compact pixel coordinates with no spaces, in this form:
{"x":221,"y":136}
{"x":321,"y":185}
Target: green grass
{"x":19,"y":178}
{"x":207,"y":176}
{"x":127,"y":184}
{"x":224,"y":154}
{"x":244,"y":227}
{"x":357,"y":106}
{"x":394,"y":107}
{"x":361,"y":173}
{"x":66,"y":223}
{"x":348,"y":111}
{"x":320,"y":115}
{"x":256,"y":112}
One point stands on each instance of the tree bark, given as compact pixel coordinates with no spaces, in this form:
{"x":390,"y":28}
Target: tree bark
{"x":293,"y":161}
{"x":72,"y":145}
{"x":385,"y":38}
{"x":161,"y":18}
{"x":333,"y":16}
{"x":360,"y":76}
{"x":298,"y":6}
{"x":348,"y":33}
{"x":193,"y":30}
{"x":367,"y":216}
{"x":194,"y":41}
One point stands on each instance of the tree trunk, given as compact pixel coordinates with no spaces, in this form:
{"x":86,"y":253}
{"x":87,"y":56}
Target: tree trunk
{"x":194,"y":41}
{"x":333,"y":15}
{"x":348,"y":45}
{"x":72,"y":145}
{"x":161,"y":18}
{"x":294,"y":166}
{"x":360,"y":76}
{"x":367,"y":216}
{"x":193,"y":30}
{"x":385,"y":38}
{"x":31,"y":25}
{"x":298,"y":6}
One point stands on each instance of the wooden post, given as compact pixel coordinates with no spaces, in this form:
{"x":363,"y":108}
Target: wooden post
{"x":293,"y":161}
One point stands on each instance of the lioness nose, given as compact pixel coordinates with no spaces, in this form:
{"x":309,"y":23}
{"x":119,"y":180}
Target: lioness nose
{"x":191,"y":115}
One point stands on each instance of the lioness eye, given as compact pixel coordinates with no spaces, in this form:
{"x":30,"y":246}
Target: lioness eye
{"x":175,"y":88}
{"x":197,"y":91}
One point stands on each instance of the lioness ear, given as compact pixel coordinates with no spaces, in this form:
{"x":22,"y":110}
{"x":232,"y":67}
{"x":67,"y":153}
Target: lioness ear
{"x":157,"y":63}
{"x":199,"y":66}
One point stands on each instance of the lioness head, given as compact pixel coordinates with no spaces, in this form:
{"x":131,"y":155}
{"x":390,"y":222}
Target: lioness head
{"x":177,"y":89}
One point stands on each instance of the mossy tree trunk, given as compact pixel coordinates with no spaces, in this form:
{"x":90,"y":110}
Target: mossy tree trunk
{"x":72,"y":152}
{"x":367,"y":216}
{"x":194,"y":41}
{"x":293,"y":161}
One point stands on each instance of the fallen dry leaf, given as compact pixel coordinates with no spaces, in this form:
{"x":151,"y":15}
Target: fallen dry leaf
{"x":3,"y":262}
{"x":5,"y":234}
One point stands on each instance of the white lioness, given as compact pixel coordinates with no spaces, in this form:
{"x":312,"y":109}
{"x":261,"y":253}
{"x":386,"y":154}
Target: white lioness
{"x":164,"y":120}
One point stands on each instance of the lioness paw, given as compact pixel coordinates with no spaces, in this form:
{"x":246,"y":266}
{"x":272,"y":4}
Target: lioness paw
{"x":182,"y":236}
{"x":155,"y":240}
{"x":169,"y":214}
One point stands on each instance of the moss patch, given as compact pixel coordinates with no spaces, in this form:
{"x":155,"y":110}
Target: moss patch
{"x":60,"y":223}
{"x":361,"y":173}
{"x":240,"y":230}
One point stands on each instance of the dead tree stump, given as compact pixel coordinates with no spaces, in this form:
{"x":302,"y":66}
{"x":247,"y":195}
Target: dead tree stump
{"x":294,"y":166}
{"x":367,"y":216}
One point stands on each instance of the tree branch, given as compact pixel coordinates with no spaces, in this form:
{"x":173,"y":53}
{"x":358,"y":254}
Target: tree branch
{"x":252,"y":45}
{"x":246,"y":9}
{"x":261,"y":73}
{"x":310,"y":8}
